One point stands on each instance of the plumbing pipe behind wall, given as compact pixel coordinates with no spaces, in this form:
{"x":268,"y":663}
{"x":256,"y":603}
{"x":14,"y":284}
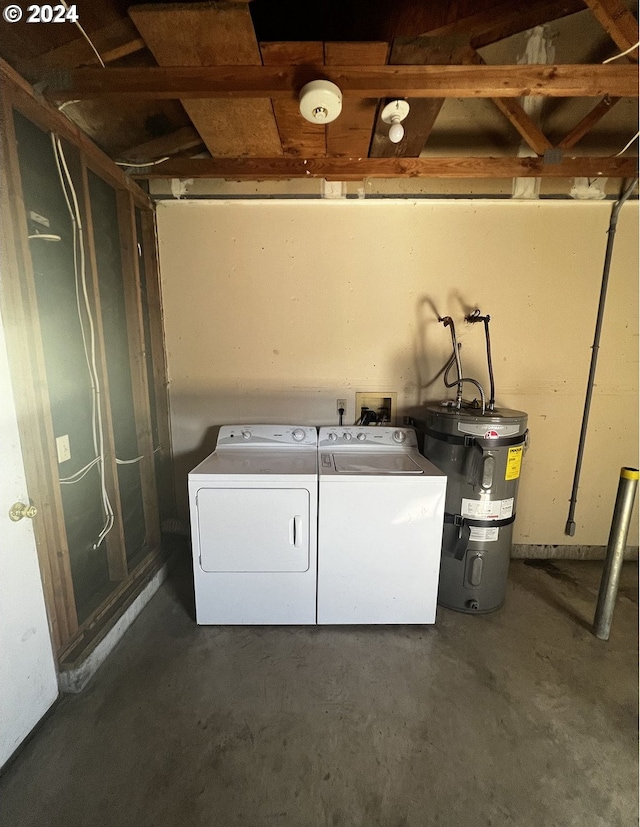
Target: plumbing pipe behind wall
{"x":570,"y":528}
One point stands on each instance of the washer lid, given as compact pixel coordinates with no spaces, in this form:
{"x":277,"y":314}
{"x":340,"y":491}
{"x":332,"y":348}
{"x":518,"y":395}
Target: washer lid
{"x":361,"y":462}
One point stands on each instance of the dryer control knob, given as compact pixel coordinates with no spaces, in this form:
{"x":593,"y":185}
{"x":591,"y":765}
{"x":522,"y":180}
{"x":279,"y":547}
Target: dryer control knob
{"x":246,"y":434}
{"x":346,"y":435}
{"x":399,"y":436}
{"x":298,"y":434}
{"x":362,"y":437}
{"x":333,"y":436}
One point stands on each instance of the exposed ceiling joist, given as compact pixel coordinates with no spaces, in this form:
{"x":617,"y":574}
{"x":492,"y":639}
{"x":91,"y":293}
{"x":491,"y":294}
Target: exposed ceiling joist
{"x":423,"y":113}
{"x":616,"y":19}
{"x":517,"y":17}
{"x":356,"y":169}
{"x":179,"y":141}
{"x":112,"y":42}
{"x":281,"y":82}
{"x":515,"y":113}
{"x":202,"y":35}
{"x":587,"y":123}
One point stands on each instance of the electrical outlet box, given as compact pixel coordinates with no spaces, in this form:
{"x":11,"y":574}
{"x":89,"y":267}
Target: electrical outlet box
{"x":341,"y":405}
{"x":384,"y":405}
{"x":63,"y":448}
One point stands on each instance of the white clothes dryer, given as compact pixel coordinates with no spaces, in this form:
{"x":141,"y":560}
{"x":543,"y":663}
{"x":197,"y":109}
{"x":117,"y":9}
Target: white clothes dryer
{"x":253,"y":507}
{"x":381,"y":512}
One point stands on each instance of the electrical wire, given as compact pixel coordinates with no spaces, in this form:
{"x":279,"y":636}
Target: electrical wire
{"x":89,"y":344}
{"x":622,"y":54}
{"x":627,"y":146}
{"x":129,"y":461}
{"x":86,"y":37}
{"x":143,"y":163}
{"x":80,"y":474}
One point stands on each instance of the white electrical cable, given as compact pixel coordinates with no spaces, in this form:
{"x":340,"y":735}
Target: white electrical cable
{"x":143,"y":163}
{"x":129,"y":461}
{"x":86,"y":37}
{"x":622,"y":54}
{"x":45,"y":237}
{"x":80,"y":474}
{"x":627,"y":146}
{"x":90,"y":351}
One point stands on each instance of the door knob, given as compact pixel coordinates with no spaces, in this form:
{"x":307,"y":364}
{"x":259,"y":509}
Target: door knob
{"x":20,"y":510}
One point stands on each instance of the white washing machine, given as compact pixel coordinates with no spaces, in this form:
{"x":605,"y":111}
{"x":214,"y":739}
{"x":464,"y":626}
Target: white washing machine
{"x":253,"y":507}
{"x":381,"y":511}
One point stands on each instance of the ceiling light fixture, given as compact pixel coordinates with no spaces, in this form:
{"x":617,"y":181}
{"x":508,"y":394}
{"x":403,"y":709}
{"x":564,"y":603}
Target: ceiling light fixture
{"x":320,"y":101}
{"x":394,"y":113}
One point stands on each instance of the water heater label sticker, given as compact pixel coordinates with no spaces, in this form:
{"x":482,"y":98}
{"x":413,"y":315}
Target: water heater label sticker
{"x":483,"y":535}
{"x":514,"y":461}
{"x":487,"y":509}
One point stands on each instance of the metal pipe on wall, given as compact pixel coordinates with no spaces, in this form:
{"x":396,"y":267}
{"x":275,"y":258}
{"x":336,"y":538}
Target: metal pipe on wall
{"x":570,"y":528}
{"x":615,"y":552}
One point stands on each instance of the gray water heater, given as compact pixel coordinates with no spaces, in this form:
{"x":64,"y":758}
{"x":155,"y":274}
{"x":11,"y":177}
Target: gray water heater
{"x":479,"y":447}
{"x":481,"y":455}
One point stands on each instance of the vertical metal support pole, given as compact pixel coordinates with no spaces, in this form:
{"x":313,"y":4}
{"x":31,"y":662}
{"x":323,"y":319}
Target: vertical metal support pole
{"x":615,"y":552}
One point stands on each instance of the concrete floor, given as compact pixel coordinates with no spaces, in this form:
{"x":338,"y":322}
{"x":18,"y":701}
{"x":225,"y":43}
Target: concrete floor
{"x":520,"y":717}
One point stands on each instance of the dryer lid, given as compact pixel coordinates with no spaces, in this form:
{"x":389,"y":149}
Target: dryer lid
{"x":361,"y":462}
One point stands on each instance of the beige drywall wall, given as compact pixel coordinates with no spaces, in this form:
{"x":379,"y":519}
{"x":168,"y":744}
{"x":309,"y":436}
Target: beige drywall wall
{"x":274,"y":309}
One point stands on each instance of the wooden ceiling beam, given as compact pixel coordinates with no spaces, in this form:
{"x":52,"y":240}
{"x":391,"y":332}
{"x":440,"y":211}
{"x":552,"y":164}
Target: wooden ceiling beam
{"x":179,"y":141}
{"x":202,"y":36}
{"x":587,"y":123}
{"x":350,"y":134}
{"x":505,"y":21}
{"x":616,"y":19}
{"x":112,"y":42}
{"x":515,"y":113}
{"x":298,"y":136}
{"x":355,"y":169}
{"x":423,"y":112}
{"x":282,"y":82}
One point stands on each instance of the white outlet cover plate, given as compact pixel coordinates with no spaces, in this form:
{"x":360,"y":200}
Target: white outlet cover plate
{"x":63,"y":448}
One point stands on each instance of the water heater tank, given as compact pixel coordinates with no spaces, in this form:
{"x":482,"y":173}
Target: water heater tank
{"x":481,"y":454}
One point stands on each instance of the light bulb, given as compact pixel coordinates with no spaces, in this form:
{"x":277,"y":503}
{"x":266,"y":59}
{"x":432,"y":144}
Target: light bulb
{"x":396,"y":131}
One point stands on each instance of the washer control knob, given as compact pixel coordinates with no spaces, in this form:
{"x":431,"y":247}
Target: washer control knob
{"x":333,"y":436}
{"x":246,"y":434}
{"x":362,"y":437}
{"x":298,"y":434}
{"x":399,"y":436}
{"x":346,"y":435}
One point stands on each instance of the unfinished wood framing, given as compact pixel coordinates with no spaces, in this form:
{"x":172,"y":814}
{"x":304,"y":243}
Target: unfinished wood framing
{"x":165,"y":478}
{"x":283,"y":82}
{"x":139,"y":380}
{"x":350,"y":134}
{"x":297,"y":136}
{"x":587,"y":123}
{"x":200,"y":35}
{"x":112,"y":42}
{"x":616,"y":19}
{"x":20,"y":315}
{"x":21,"y":321}
{"x":355,"y":169}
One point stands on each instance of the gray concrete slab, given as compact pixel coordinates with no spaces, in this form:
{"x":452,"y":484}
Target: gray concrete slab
{"x":520,"y":717}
